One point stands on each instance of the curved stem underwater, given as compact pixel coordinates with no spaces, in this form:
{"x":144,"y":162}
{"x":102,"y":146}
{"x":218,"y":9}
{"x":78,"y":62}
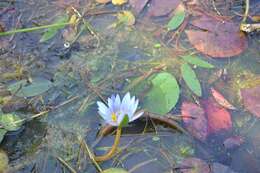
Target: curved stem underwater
{"x":113,"y":149}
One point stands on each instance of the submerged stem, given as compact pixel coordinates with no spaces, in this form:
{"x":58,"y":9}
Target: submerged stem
{"x":246,"y":11}
{"x":112,"y":151}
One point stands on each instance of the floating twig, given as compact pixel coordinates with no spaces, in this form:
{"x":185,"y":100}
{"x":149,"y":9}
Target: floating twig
{"x":90,"y":154}
{"x":141,"y":164}
{"x":66,"y":165}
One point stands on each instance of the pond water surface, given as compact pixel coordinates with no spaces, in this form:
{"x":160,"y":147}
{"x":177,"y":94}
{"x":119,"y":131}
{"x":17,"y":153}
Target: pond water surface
{"x":113,"y":49}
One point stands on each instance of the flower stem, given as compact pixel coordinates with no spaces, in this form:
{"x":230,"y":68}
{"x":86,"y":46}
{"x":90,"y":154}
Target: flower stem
{"x":112,"y":151}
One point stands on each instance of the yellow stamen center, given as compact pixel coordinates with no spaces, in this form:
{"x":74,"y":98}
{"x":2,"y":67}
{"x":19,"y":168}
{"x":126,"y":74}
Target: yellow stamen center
{"x":114,"y":117}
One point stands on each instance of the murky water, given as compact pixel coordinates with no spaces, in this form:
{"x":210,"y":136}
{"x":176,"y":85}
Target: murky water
{"x":105,"y":60}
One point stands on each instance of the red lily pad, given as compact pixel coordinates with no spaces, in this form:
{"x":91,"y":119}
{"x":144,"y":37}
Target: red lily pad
{"x":162,"y":7}
{"x":251,"y":99}
{"x":217,"y":37}
{"x":219,"y":118}
{"x":194,"y":120}
{"x":138,"y":5}
{"x":233,"y":141}
{"x":194,"y":165}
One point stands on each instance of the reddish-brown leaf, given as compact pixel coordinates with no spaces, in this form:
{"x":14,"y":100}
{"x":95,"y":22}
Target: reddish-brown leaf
{"x":3,"y":40}
{"x":194,"y":165}
{"x":194,"y":120}
{"x":162,"y":7}
{"x":218,"y":117}
{"x":251,"y":99}
{"x":217,"y":38}
{"x":138,"y":5}
{"x":220,"y":99}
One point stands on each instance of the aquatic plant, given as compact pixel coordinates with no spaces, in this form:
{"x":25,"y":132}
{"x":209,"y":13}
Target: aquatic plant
{"x":116,"y":110}
{"x":118,"y":113}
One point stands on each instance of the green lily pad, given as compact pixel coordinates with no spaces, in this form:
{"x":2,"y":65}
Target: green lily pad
{"x":163,"y":95}
{"x":115,"y":170}
{"x":191,"y":79}
{"x":25,"y":89}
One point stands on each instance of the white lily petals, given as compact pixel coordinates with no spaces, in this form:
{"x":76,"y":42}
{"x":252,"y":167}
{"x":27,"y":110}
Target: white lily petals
{"x":136,"y":116}
{"x":119,"y":108}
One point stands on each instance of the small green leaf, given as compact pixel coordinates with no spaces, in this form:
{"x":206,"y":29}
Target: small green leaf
{"x":197,"y":61}
{"x":51,"y":32}
{"x":2,"y":134}
{"x":115,"y":170}
{"x":157,"y":45}
{"x":177,"y":18}
{"x":125,"y":121}
{"x":191,"y":79}
{"x":25,"y":89}
{"x":163,"y":95}
{"x":9,"y":122}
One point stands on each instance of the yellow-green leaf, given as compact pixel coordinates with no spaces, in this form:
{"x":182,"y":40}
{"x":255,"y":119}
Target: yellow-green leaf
{"x":10,"y":122}
{"x":192,"y":59}
{"x":126,"y":17}
{"x":177,"y":18}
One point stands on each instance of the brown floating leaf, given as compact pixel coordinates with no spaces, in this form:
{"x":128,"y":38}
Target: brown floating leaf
{"x":251,"y":99}
{"x":220,"y":99}
{"x":217,"y":38}
{"x":138,"y":5}
{"x":218,"y":117}
{"x":197,"y":125}
{"x":162,"y":7}
{"x":194,"y":165}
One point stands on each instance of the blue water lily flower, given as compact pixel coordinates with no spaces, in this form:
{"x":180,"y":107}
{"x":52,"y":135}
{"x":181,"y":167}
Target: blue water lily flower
{"x":116,"y":110}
